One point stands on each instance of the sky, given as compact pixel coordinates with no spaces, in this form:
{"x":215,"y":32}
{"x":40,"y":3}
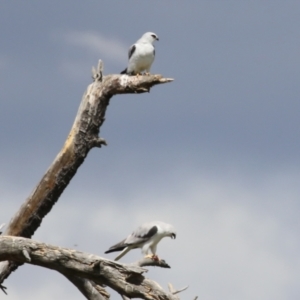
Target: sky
{"x":214,"y":153}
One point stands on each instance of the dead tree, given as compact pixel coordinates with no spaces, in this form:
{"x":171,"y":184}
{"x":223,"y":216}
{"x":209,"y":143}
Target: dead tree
{"x":89,"y":273}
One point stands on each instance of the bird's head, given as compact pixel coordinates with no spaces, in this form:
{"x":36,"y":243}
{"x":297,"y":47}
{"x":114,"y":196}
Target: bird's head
{"x":150,"y":37}
{"x":170,"y":231}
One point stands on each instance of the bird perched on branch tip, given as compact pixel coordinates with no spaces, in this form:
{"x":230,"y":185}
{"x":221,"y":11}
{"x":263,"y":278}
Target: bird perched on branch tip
{"x":141,"y":55}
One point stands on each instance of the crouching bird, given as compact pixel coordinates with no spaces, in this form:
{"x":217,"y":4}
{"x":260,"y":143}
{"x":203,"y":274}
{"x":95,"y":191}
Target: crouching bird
{"x":146,"y":237}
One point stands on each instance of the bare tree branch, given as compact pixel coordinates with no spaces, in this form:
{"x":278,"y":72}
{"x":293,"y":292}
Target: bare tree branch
{"x":82,"y":138}
{"x":146,"y":261}
{"x":3,"y":289}
{"x":173,"y":291}
{"x":88,"y":288}
{"x":127,"y":280}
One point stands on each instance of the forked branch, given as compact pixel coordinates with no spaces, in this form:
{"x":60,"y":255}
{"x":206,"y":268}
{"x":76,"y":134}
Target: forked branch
{"x":83,"y":136}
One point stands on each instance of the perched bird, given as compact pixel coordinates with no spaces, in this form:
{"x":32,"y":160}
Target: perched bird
{"x":141,"y":54}
{"x":146,"y":237}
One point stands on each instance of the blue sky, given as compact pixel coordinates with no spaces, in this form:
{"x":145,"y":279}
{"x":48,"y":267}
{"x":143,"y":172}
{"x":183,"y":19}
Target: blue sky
{"x":215,"y":153}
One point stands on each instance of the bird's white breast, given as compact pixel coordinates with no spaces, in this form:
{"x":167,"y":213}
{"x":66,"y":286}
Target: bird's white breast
{"x":142,"y":59}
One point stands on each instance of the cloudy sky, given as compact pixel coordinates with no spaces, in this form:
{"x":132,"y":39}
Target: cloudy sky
{"x":215,"y":153}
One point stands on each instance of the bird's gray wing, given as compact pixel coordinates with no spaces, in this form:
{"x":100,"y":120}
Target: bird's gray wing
{"x":131,"y":51}
{"x":141,"y":235}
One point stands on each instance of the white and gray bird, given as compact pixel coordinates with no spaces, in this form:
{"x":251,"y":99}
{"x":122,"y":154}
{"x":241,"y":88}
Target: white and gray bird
{"x":141,"y":54}
{"x":146,"y":237}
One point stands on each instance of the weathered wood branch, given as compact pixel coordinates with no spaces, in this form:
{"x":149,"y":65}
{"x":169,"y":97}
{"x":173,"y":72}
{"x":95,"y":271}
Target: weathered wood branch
{"x":127,"y":280}
{"x":88,"y":288}
{"x":83,"y":136}
{"x":92,"y":291}
{"x":146,"y":261}
{"x":175,"y":292}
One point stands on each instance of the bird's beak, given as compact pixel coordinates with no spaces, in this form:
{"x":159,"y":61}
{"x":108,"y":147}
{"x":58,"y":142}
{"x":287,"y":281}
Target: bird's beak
{"x":157,"y":38}
{"x":173,"y":236}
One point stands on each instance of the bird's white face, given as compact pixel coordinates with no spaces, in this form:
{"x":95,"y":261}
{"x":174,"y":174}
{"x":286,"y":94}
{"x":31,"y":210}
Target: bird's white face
{"x":171,"y":232}
{"x":150,"y":37}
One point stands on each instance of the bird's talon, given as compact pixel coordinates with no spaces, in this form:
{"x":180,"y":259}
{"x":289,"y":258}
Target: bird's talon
{"x":153,"y":257}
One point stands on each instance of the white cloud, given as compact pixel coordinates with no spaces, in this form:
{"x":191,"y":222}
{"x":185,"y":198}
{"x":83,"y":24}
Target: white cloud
{"x":110,"y":50}
{"x":223,"y":246}
{"x":109,"y":47}
{"x":226,"y":244}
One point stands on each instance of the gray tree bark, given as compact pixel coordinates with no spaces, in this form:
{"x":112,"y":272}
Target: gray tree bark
{"x":90,"y":273}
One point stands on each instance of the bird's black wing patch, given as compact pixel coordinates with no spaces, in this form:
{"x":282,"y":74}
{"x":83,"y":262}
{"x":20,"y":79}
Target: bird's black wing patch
{"x":131,"y":51}
{"x":150,"y":233}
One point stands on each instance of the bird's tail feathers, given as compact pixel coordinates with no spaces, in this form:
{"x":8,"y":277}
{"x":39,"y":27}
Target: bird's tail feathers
{"x":124,"y":71}
{"x":118,"y":247}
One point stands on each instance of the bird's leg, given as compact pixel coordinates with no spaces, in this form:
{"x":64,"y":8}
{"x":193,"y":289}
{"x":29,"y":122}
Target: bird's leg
{"x":153,"y":257}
